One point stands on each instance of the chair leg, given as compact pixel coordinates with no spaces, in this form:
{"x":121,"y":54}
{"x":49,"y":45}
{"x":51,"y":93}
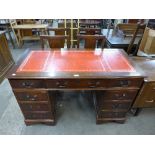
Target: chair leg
{"x":10,"y":37}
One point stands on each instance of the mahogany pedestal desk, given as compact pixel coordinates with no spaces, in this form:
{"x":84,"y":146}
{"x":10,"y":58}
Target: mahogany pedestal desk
{"x":108,"y":74}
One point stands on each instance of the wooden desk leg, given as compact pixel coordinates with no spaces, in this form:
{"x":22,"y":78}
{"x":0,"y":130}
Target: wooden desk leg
{"x":135,"y":111}
{"x":138,"y":110}
{"x":20,"y":39}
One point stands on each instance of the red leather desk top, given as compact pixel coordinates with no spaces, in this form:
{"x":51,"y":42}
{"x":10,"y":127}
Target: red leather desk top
{"x":76,"y":61}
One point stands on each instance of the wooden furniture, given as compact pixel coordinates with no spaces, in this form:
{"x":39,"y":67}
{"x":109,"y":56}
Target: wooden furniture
{"x":6,"y":60}
{"x":108,"y":74}
{"x":145,"y":97}
{"x":90,"y":23}
{"x":147,"y":45}
{"x":127,"y":28}
{"x":140,"y":27}
{"x":5,"y":25}
{"x":116,"y":39}
{"x":60,"y":31}
{"x":73,"y":26}
{"x":57,"y":41}
{"x":41,"y":28}
{"x":90,"y":41}
{"x":90,"y":31}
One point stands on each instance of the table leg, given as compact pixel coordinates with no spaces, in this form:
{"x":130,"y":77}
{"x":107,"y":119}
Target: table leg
{"x":138,"y":110}
{"x":135,"y":111}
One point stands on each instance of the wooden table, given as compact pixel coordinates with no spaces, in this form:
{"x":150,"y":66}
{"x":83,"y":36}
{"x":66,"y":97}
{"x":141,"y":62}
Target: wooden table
{"x":116,"y":40}
{"x":6,"y":60}
{"x":41,"y":28}
{"x":108,"y":74}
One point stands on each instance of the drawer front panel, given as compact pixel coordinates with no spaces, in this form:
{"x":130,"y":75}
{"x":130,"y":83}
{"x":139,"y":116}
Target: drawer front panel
{"x":119,"y":95}
{"x":112,"y":105}
{"x":93,"y":83}
{"x":35,"y":107}
{"x":74,"y":83}
{"x":146,"y":96}
{"x":31,"y":96}
{"x":38,"y":115}
{"x":27,"y":83}
{"x":125,"y":82}
{"x":111,"y":114}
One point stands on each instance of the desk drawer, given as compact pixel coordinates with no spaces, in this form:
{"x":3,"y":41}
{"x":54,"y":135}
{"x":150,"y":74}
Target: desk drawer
{"x":102,"y":114}
{"x":118,"y":95}
{"x":114,"y":105}
{"x":125,"y":82}
{"x":38,"y":115}
{"x":75,"y":83}
{"x":27,"y":83}
{"x":146,"y":96}
{"x":31,"y":95}
{"x":35,"y":106}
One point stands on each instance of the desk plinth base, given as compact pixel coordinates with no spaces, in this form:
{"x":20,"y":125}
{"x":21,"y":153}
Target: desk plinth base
{"x":40,"y":121}
{"x":106,"y":120}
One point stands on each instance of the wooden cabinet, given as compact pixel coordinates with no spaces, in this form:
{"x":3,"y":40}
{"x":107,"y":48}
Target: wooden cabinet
{"x":146,"y":96}
{"x":6,"y":60}
{"x":37,"y":105}
{"x":113,"y":104}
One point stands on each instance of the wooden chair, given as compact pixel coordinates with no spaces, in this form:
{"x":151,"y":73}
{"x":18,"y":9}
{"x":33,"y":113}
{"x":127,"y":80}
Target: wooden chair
{"x":90,"y":31}
{"x":57,"y":41}
{"x":91,"y":40}
{"x":140,"y":27}
{"x":127,"y":28}
{"x":60,"y":31}
{"x":13,"y":23}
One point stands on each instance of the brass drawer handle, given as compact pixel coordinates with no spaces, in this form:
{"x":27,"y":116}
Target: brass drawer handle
{"x":31,"y":98}
{"x":62,"y":85}
{"x":120,"y":95}
{"x":93,"y":84}
{"x":125,"y":83}
{"x":27,"y":84}
{"x":149,"y":101}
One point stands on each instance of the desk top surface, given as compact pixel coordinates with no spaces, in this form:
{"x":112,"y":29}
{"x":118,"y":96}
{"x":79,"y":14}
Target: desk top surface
{"x":148,"y":66}
{"x":74,"y":63}
{"x":30,"y":26}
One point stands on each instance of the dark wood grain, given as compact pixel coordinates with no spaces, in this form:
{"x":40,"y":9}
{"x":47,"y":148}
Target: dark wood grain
{"x":6,"y":60}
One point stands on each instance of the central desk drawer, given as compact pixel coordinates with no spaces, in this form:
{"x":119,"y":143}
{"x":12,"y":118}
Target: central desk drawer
{"x":27,"y":83}
{"x":38,"y":115}
{"x":31,"y":95}
{"x":76,"y":83}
